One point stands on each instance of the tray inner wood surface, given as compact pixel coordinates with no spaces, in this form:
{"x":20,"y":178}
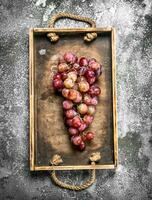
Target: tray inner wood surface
{"x":51,"y":136}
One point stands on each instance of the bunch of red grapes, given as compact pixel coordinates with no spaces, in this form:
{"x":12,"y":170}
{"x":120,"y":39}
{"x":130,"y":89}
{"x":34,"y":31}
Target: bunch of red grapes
{"x":76,"y":81}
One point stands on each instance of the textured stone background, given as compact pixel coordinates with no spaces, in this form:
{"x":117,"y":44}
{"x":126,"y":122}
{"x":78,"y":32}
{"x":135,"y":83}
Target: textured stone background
{"x":133,"y":178}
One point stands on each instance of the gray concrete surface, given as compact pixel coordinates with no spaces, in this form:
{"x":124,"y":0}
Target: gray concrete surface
{"x":133,"y":178}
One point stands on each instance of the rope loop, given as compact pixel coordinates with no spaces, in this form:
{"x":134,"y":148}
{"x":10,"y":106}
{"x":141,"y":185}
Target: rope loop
{"x":56,"y":160}
{"x":54,"y":37}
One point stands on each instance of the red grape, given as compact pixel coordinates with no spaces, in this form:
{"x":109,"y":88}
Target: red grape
{"x":87,"y":99}
{"x":76,"y":80}
{"x":57,"y":83}
{"x":83,"y":86}
{"x":92,"y":60}
{"x":97,"y":91}
{"x":94,"y":65}
{"x":89,"y":73}
{"x":88,"y":119}
{"x":78,"y":98}
{"x":68,"y":83}
{"x":69,"y":122}
{"x":76,"y":66}
{"x":94,"y":90}
{"x":81,"y":146}
{"x":82,"y":127}
{"x":72,"y":75}
{"x":65,"y":92}
{"x":64,"y":75}
{"x":91,"y":110}
{"x":89,"y":136}
{"x":73,"y":131}
{"x":70,"y":113}
{"x":57,"y":76}
{"x":72,"y":94}
{"x":76,"y":122}
{"x":82,"y":108}
{"x":83,"y":61}
{"x":70,"y":58}
{"x":67,"y":104}
{"x":63,"y":67}
{"x":94,"y":101}
{"x":91,"y":80}
{"x":76,"y":140}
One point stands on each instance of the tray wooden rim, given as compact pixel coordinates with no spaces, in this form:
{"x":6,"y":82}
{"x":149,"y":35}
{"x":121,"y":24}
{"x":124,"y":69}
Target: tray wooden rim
{"x":32,"y":98}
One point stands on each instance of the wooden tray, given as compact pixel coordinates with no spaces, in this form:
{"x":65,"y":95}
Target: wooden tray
{"x":48,"y":134}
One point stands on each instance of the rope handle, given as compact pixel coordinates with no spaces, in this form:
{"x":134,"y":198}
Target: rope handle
{"x":56,"y":160}
{"x":70,"y":16}
{"x":54,"y":37}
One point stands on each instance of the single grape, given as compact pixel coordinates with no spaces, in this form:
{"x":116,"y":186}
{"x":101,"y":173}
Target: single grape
{"x":73,"y":131}
{"x":78,"y":98}
{"x":64,"y":75}
{"x":91,"y":80}
{"x":72,"y":94}
{"x":76,"y":140}
{"x":94,"y":90}
{"x":68,"y":83}
{"x":81,"y":146}
{"x":88,"y":119}
{"x":69,"y":122}
{"x":57,"y":76}
{"x":57,"y":83}
{"x":89,"y":73}
{"x":91,"y":110}
{"x":70,"y":58}
{"x":63,"y":67}
{"x":82,"y":127}
{"x":94,"y":101}
{"x":89,"y":136}
{"x":65,"y":92}
{"x":87,"y":99}
{"x":83,"y":61}
{"x":67,"y":104}
{"x":70,"y":113}
{"x":76,"y":122}
{"x":82,"y":108}
{"x":72,"y":75}
{"x":94,"y":66}
{"x":83,"y":86}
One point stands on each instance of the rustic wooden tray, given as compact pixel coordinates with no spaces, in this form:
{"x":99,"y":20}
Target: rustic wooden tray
{"x":48,"y":134}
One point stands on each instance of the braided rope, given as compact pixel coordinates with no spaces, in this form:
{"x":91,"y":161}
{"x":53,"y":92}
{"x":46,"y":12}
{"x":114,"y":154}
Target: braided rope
{"x":54,"y":37}
{"x":56,"y":160}
{"x":85,"y":185}
{"x":70,"y":16}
